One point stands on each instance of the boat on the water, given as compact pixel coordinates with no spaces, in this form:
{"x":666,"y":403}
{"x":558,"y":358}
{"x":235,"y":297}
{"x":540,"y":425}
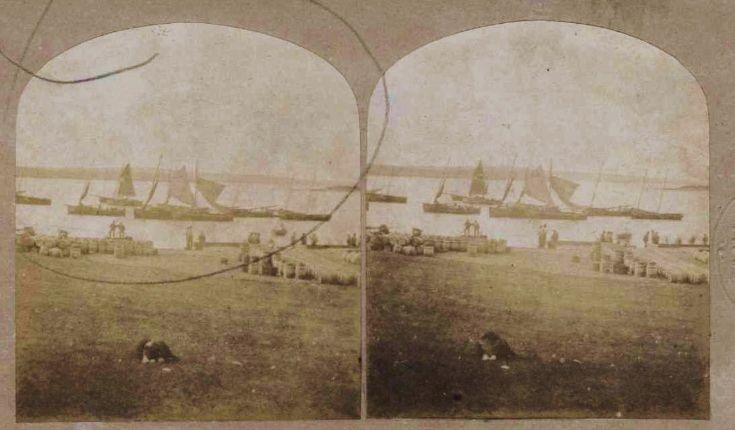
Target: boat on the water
{"x":81,"y":209}
{"x":477,"y":194}
{"x":537,"y":186}
{"x":180,"y":190}
{"x":453,"y":208}
{"x":521,"y":210}
{"x":623,"y":211}
{"x":375,"y":196}
{"x":643,"y":214}
{"x":263,"y":212}
{"x":280,"y":230}
{"x":125,"y":191}
{"x":22,"y":199}
{"x":290,"y":215}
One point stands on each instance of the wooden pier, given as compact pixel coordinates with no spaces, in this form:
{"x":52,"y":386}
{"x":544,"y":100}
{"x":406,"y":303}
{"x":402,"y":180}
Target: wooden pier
{"x":678,"y":265}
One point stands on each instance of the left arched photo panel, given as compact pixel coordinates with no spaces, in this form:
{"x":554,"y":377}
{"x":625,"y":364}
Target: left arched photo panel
{"x":187,"y":247}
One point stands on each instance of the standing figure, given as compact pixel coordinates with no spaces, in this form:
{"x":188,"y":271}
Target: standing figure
{"x":121,"y":230}
{"x":554,"y":239}
{"x":467,"y":226}
{"x":542,"y":236}
{"x":645,"y":239}
{"x":113,"y":230}
{"x":654,"y":237}
{"x":189,"y":238}
{"x":200,"y":241}
{"x":476,"y":228}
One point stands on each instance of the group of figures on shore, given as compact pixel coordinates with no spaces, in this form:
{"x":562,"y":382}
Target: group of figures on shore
{"x":117,"y":230}
{"x":471,"y":228}
{"x":544,"y":241}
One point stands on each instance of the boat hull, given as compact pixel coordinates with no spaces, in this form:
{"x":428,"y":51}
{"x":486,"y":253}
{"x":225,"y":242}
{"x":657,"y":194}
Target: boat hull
{"x":641,"y":214}
{"x":94,"y":211}
{"x":298,"y":216}
{"x":622,"y":212}
{"x":29,"y":200}
{"x":251,"y":213}
{"x":181,"y":214}
{"x":476,"y":200}
{"x":114,"y":201}
{"x":535,"y":212}
{"x":441,"y":208}
{"x":385,"y":198}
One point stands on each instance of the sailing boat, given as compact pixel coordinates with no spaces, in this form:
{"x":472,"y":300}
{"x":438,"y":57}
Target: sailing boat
{"x":377,"y":196}
{"x":444,"y":208}
{"x":638,"y":213}
{"x":81,"y":209}
{"x":179,"y":189}
{"x":536,"y":186}
{"x":256,"y":212}
{"x":125,"y":190}
{"x":285,"y":214}
{"x":22,"y":199}
{"x":478,"y":190}
{"x":613,"y":211}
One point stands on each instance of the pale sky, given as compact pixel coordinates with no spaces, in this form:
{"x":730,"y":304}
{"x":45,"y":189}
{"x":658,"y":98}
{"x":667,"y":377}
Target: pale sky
{"x":236,"y":101}
{"x":572,"y":94}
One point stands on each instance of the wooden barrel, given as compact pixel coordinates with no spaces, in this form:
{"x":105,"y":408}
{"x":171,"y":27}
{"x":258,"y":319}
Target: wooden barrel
{"x":596,"y":265}
{"x":463,"y":245}
{"x":43,"y":250}
{"x":428,"y":250}
{"x":502,"y":246}
{"x":290,"y":270}
{"x":75,"y":251}
{"x":302,"y":271}
{"x":640,"y":268}
{"x":93,"y":246}
{"x":55,"y":252}
{"x":446,"y":245}
{"x":472,"y":250}
{"x":492,"y":246}
{"x":606,"y":266}
{"x":254,"y":268}
{"x":651,"y":269}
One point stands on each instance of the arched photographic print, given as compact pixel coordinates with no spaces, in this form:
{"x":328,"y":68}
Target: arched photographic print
{"x":179,"y":255}
{"x":538,"y":229}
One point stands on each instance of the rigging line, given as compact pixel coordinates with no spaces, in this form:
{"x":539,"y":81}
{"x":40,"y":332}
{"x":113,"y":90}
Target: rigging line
{"x":315,"y":227}
{"x":23,"y":56}
{"x":77,"y":81}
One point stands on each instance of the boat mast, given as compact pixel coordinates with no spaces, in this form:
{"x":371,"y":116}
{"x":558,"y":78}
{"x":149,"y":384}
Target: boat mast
{"x":643,"y":187}
{"x":661,"y":195}
{"x":597,"y":183}
{"x":196,"y":189}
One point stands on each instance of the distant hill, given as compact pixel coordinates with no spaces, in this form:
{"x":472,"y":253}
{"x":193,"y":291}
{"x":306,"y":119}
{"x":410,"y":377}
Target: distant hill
{"x":493,"y":172}
{"x":146,"y":174}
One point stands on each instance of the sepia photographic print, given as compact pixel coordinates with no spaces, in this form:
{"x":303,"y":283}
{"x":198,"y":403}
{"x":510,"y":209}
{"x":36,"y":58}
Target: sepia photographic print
{"x":538,"y":229}
{"x":374,"y":214}
{"x":169,"y":264}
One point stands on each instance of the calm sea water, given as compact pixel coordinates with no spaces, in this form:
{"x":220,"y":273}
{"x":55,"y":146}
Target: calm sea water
{"x":523,"y":232}
{"x":171,"y":234}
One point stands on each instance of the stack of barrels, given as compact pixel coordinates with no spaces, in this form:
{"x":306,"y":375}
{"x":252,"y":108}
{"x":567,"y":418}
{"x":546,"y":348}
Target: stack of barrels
{"x":431,"y":245}
{"x":77,"y":247}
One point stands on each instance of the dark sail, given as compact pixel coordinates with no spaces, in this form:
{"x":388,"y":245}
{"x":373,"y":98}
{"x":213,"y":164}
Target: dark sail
{"x":178,"y":187}
{"x":156,"y":177}
{"x":564,"y":188}
{"x":84,"y":193}
{"x":440,"y":191}
{"x":210,"y":190}
{"x":478,"y":186}
{"x":125,"y":183}
{"x":535,"y":186}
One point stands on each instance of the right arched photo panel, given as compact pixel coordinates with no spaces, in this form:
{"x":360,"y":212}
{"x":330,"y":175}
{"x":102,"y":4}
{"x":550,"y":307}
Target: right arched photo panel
{"x":537,"y":229}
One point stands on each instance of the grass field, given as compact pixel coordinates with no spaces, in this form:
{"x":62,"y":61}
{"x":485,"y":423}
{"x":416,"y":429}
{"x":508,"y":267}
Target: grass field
{"x":250,"y":348}
{"x":590,"y":345}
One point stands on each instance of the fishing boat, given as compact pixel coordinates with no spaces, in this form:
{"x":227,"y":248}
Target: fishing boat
{"x":81,"y":209}
{"x":453,"y":208}
{"x":285,"y":214}
{"x":22,"y":199}
{"x":255,"y":212}
{"x":125,"y":191}
{"x":292,"y":215}
{"x":280,"y":230}
{"x":538,"y":187}
{"x":638,"y":213}
{"x":180,"y":190}
{"x":591,"y":210}
{"x":478,"y":190}
{"x":375,"y":196}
